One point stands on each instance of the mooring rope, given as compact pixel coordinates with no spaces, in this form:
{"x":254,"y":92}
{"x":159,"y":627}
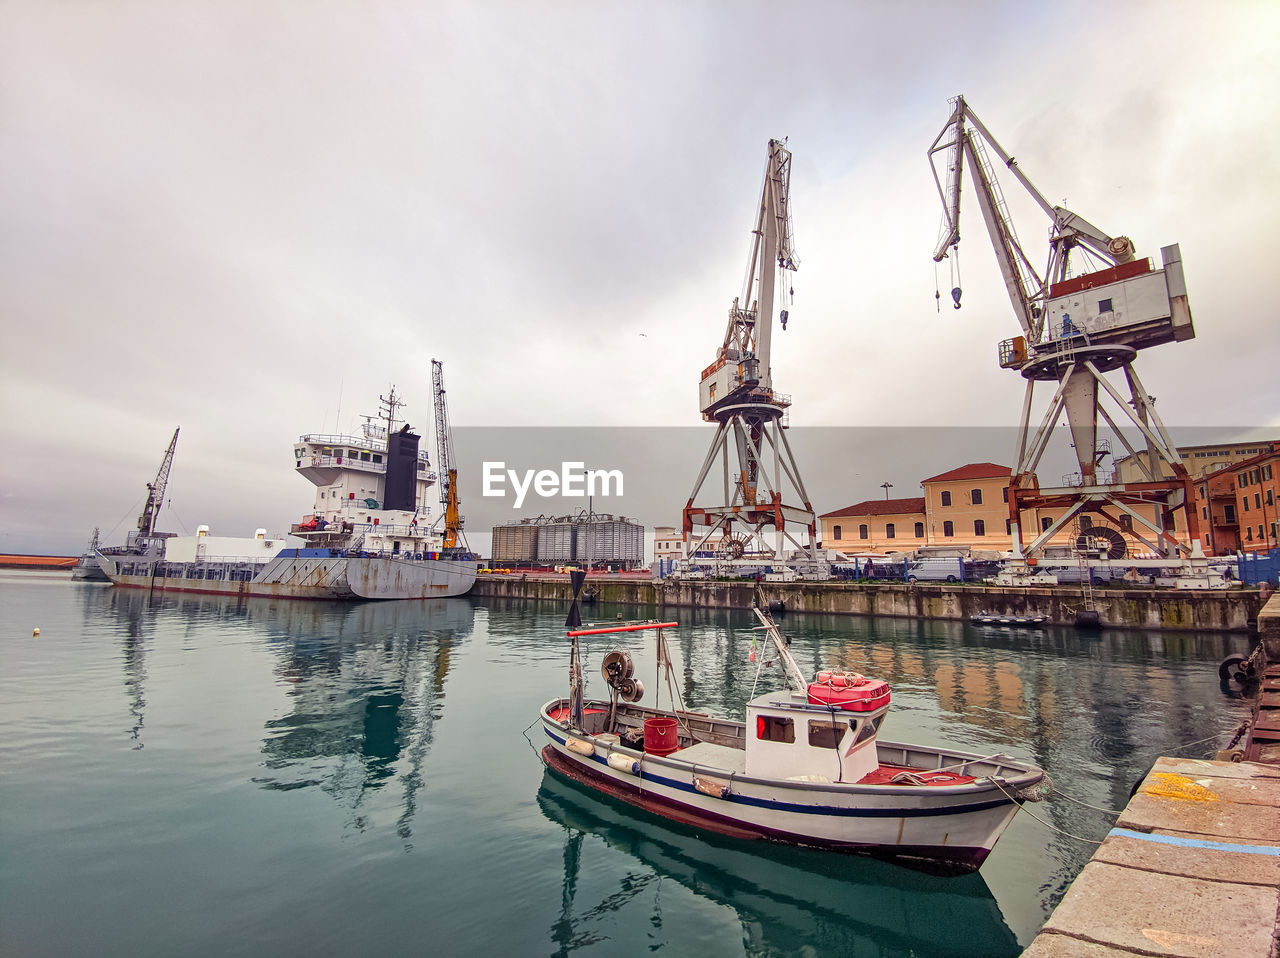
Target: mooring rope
{"x":1051,"y":827}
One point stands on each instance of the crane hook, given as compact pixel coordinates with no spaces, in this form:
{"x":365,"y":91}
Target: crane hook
{"x":955,"y":295}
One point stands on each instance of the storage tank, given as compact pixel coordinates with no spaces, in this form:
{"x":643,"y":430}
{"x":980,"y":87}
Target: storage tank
{"x":515,"y":542}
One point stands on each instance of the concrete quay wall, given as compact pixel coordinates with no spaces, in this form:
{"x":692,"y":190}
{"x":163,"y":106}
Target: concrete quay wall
{"x":1234,"y":610}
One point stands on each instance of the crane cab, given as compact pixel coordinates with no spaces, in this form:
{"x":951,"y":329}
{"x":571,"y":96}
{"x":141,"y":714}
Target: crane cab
{"x":1130,"y":305}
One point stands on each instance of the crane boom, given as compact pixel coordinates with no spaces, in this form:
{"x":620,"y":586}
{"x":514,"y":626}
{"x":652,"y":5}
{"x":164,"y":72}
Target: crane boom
{"x":743,"y":362}
{"x":444,"y":459}
{"x":965,"y":135}
{"x":155,"y":491}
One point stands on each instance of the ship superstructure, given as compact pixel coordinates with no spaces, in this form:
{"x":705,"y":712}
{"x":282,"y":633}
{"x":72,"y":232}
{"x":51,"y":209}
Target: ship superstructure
{"x":371,"y":489}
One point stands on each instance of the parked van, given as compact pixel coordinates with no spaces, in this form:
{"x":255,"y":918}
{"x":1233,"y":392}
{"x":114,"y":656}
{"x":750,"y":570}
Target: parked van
{"x":936,"y":570}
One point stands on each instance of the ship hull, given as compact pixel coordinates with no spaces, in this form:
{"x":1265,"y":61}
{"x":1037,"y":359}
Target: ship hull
{"x":298,"y":574}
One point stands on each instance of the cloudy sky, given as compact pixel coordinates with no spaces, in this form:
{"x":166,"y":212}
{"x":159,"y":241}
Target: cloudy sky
{"x":250,"y":219}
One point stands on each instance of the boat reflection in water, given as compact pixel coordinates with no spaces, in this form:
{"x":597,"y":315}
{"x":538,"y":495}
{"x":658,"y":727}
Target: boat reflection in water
{"x":789,"y":900}
{"x":365,"y":686}
{"x":364,"y":703}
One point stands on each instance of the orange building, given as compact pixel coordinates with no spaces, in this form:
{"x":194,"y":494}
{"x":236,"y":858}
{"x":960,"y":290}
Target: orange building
{"x":1256,"y":495}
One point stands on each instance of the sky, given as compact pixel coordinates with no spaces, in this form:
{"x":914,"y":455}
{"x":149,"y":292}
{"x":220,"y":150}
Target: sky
{"x":252,"y":219}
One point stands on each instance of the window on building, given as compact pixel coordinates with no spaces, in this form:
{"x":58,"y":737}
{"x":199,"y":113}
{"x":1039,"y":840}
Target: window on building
{"x":1008,"y":527}
{"x":771,"y":728}
{"x":946,"y":498}
{"x":1245,"y":500}
{"x":975,"y":496}
{"x":1242,"y":480}
{"x":1005,"y":490}
{"x":1204,"y":513}
{"x":863,"y":531}
{"x":1045,"y":523}
{"x":1257,"y":500}
{"x":1086,"y":523}
{"x":1199,"y":492}
{"x":889,"y":530}
{"x":1270,"y":498}
{"x":1104,"y":306}
{"x":835,"y":532}
{"x":1253,"y":476}
{"x":1229,"y":514}
{"x":948,"y":528}
{"x":1266,"y":472}
{"x":979,"y":527}
{"x":1260,"y":536}
{"x":919,"y":530}
{"x":1248,"y":533}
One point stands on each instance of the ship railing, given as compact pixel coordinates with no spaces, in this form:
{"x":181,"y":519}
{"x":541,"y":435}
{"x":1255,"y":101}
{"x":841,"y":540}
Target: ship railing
{"x":365,"y":465}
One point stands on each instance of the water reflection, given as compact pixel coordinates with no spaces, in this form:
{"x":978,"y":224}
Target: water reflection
{"x":788,"y":900}
{"x":365,"y":695}
{"x":365,"y":683}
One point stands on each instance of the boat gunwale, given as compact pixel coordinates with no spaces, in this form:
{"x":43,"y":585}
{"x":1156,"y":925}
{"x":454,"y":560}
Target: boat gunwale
{"x":1027,"y":773}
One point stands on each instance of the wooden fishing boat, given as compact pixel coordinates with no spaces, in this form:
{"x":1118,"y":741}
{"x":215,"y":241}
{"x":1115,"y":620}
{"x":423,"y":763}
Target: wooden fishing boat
{"x":805,"y":767}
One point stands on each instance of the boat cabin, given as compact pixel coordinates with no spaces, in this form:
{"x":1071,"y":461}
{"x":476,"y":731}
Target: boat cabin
{"x":826,"y":732}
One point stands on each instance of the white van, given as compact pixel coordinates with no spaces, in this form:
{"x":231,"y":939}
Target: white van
{"x":950,"y":569}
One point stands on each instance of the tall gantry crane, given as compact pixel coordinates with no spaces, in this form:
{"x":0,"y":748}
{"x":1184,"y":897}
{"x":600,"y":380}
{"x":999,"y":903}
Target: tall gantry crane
{"x":1075,"y":330}
{"x":760,"y":478}
{"x":445,"y":464}
{"x":155,"y":492}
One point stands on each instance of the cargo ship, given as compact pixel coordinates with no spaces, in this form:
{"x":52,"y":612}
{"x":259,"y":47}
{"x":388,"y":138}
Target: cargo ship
{"x":369,"y":535}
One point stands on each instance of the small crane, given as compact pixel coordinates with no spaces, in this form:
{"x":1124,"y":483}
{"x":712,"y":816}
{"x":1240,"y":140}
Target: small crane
{"x":445,"y":460}
{"x":155,"y":492}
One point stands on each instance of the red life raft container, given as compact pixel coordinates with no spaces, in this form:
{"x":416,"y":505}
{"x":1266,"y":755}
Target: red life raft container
{"x":849,"y":691}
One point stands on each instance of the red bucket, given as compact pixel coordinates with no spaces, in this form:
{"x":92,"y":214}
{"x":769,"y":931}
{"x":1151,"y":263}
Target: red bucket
{"x":660,"y":736}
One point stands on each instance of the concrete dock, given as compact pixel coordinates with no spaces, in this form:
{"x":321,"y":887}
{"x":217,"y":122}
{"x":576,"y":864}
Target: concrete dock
{"x":1192,"y":867}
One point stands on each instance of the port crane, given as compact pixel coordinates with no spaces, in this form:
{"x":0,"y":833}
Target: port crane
{"x":155,"y":492}
{"x":1075,"y":330}
{"x":445,"y":463}
{"x":761,"y":481}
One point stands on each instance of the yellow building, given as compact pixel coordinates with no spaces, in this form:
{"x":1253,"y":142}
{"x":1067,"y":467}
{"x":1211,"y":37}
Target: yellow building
{"x":1199,"y":460}
{"x":966,"y":508}
{"x":969,"y":506}
{"x":877,"y":525}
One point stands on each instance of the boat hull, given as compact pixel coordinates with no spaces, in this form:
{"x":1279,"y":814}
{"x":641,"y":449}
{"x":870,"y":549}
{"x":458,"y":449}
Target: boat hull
{"x":298,"y":574}
{"x":952,"y":827}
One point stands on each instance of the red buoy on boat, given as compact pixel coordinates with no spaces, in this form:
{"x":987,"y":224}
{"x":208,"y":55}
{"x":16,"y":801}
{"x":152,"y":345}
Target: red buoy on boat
{"x":849,"y":691}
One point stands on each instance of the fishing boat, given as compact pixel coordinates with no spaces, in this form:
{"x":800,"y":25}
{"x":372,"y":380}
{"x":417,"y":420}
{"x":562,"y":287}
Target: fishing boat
{"x":806,"y":766}
{"x":987,"y":617}
{"x":369,"y":535}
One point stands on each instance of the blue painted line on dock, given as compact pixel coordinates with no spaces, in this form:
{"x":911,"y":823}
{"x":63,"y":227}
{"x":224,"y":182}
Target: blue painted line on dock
{"x":1271,"y":850}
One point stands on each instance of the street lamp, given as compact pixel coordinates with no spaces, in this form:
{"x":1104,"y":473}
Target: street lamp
{"x":886,"y":486}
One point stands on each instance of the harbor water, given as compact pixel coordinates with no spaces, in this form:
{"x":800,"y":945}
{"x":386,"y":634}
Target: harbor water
{"x":192,"y":775}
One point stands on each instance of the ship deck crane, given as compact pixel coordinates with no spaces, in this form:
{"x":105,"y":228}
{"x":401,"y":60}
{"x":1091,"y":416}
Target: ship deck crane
{"x":1075,"y":329}
{"x":761,"y":481}
{"x":155,"y":492}
{"x":445,"y":463}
